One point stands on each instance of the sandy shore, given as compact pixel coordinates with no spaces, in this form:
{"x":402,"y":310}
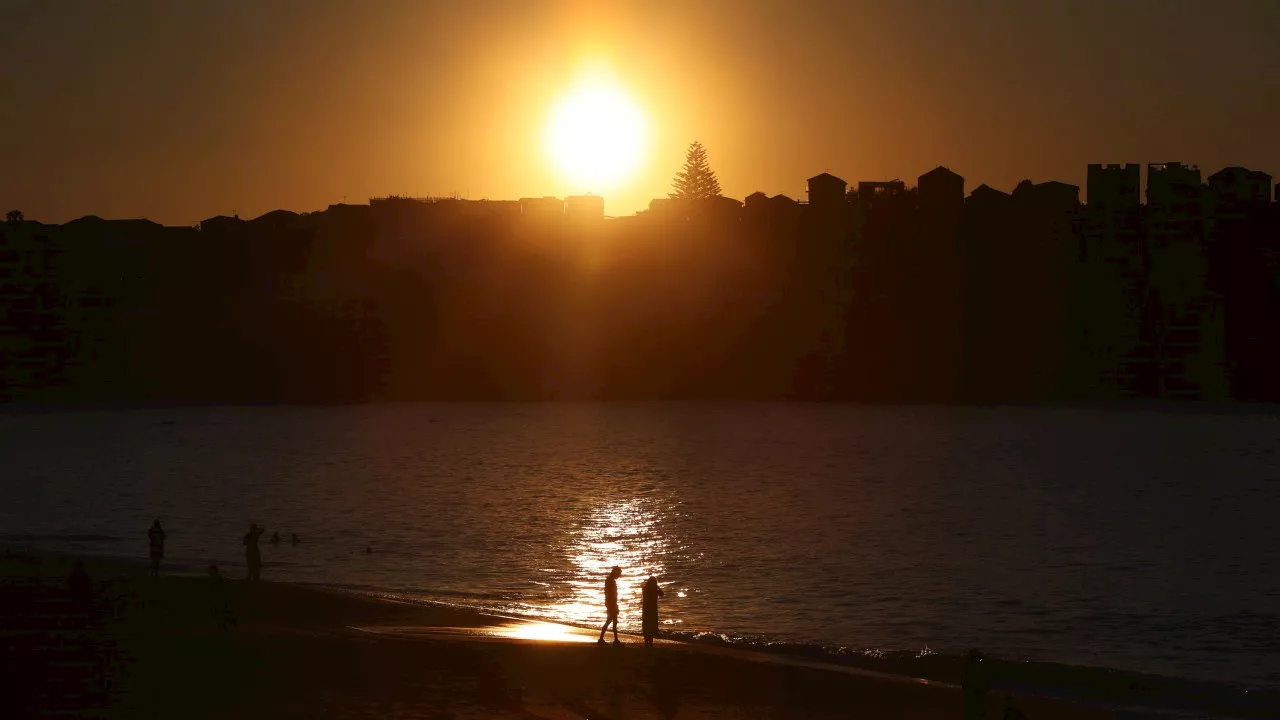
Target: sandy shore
{"x":153,"y":648}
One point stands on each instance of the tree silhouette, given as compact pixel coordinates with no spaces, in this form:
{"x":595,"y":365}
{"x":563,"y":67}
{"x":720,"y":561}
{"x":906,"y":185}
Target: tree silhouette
{"x":14,"y":216}
{"x":696,"y":180}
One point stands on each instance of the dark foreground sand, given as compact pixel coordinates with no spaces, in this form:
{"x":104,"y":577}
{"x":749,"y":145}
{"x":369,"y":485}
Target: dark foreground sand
{"x":143,"y":648}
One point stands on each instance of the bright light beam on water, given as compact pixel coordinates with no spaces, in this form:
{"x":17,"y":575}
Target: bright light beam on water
{"x":546,"y":632}
{"x":625,"y":534}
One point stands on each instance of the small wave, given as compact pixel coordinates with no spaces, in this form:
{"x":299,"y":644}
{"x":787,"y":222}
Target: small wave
{"x":1085,"y":686}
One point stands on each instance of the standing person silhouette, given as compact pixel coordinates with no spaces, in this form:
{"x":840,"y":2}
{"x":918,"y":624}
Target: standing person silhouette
{"x":156,"y":535}
{"x":275,"y":538}
{"x":253,"y":556}
{"x":611,"y":605}
{"x":649,"y":612}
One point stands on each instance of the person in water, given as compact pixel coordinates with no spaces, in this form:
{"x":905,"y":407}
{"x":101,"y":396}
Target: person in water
{"x":649,"y":613}
{"x":275,"y":538}
{"x":156,"y":536}
{"x":252,"y":555}
{"x":293,"y":538}
{"x":611,"y":604}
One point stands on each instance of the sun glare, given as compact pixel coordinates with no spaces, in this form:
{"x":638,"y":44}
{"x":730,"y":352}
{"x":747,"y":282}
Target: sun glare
{"x":543,"y":631}
{"x":596,"y":135}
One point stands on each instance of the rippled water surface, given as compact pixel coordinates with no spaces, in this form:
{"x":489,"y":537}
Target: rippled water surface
{"x":1127,"y":538}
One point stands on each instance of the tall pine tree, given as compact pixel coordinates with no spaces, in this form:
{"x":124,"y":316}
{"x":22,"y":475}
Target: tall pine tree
{"x":696,"y":180}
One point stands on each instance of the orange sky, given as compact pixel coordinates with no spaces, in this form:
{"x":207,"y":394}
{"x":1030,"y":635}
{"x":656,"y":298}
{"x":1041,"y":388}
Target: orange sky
{"x":181,"y":111}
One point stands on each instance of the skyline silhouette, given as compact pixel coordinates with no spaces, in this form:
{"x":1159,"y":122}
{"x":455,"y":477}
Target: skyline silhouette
{"x":1111,"y":182}
{"x":882,"y":291}
{"x":243,"y":115}
{"x":844,"y":357}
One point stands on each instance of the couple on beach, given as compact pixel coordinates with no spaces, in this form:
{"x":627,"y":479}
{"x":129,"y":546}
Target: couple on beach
{"x":649,"y":613}
{"x":253,"y":555}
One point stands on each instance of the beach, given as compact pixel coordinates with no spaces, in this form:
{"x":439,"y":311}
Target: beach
{"x":852,"y":532}
{"x":152,"y":648}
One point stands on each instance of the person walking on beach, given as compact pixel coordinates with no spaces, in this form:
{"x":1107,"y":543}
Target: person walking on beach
{"x":611,"y":605}
{"x":156,"y":536}
{"x":253,"y":556}
{"x":649,"y":613}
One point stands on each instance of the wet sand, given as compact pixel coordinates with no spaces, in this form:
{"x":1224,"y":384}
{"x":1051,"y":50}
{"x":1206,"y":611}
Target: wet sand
{"x":152,"y":648}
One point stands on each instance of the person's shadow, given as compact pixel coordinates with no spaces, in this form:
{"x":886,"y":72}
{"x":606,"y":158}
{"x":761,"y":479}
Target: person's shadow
{"x":665,"y":686}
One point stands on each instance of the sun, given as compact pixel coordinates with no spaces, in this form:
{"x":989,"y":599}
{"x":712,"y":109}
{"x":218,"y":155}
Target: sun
{"x":596,"y":135}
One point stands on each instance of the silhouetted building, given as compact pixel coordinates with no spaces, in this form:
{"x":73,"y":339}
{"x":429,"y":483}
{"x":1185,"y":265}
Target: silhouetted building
{"x":1050,"y":197}
{"x":541,"y":208}
{"x":1174,"y":189}
{"x":991,"y":264}
{"x":775,"y":216}
{"x":35,"y":339}
{"x":1236,"y":233}
{"x":1110,"y":300}
{"x":782,"y":207}
{"x":756,"y":207}
{"x":718,"y":209}
{"x":984,"y":196}
{"x":221,"y":224}
{"x":401,"y":219}
{"x":940,"y":280}
{"x":667,"y":210}
{"x":1114,"y":187}
{"x":826,"y":191}
{"x":941,"y":192}
{"x":584,"y":207}
{"x":489,"y":209}
{"x":275,"y":220}
{"x":1189,"y":331}
{"x":723,"y":209}
{"x":872,"y":192}
{"x":1238,"y":189}
{"x":879,"y":292}
{"x":1043,"y":221}
{"x":345,"y":215}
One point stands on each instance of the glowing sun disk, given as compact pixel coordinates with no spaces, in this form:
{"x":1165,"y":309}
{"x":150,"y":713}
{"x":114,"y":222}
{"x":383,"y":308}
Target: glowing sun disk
{"x":596,"y":135}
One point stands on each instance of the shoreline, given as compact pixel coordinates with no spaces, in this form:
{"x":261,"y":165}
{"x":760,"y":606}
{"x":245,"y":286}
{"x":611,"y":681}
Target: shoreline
{"x":293,"y":653}
{"x":1123,"y":404}
{"x":335,"y":612}
{"x":1092,"y":688}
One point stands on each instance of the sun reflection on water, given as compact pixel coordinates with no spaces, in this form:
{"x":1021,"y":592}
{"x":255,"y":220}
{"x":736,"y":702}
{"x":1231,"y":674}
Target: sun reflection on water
{"x":546,"y":632}
{"x":626,"y":533}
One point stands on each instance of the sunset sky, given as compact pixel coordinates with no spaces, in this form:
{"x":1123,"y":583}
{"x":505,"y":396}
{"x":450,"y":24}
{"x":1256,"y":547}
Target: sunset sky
{"x":178,"y":111}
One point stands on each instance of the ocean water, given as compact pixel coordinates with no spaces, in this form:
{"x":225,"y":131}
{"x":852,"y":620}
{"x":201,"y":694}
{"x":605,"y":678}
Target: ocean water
{"x":1132,"y":537}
